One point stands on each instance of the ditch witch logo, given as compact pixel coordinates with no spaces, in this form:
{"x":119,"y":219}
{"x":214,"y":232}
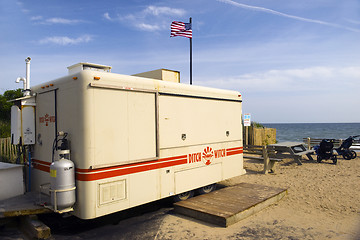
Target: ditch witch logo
{"x":206,"y":156}
{"x":46,"y":119}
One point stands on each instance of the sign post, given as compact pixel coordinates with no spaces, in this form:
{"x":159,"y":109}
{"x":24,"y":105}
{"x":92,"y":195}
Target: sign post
{"x":247,"y":124}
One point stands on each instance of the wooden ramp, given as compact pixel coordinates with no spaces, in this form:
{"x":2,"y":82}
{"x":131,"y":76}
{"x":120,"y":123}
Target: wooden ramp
{"x":22,"y":205}
{"x":229,"y":205}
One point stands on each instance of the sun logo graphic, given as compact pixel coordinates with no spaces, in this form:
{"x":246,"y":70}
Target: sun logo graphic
{"x":207,"y":155}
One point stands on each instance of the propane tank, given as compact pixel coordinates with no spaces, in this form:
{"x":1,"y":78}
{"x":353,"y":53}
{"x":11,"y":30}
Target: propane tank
{"x":62,"y":182}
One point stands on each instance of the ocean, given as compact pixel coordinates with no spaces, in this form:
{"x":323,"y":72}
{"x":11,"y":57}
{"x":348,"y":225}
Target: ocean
{"x":298,"y":131}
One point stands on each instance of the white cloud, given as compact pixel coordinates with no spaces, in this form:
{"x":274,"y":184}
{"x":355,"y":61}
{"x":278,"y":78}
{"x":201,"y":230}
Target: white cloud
{"x":318,"y":94}
{"x":152,"y":18}
{"x":62,"y":21}
{"x":36,"y":18}
{"x":63,"y":40}
{"x":353,"y":21}
{"x":267,"y":10}
{"x":49,"y":21}
{"x":148,"y":27}
{"x":156,"y":11}
{"x":312,"y":79}
{"x":21,"y":6}
{"x":107,"y":16}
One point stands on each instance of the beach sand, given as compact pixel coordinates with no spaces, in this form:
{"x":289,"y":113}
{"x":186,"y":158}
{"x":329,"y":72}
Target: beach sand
{"x":323,"y":202}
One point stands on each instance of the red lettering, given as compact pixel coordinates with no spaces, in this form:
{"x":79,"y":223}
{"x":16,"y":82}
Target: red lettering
{"x":194,"y":157}
{"x":220,"y":153}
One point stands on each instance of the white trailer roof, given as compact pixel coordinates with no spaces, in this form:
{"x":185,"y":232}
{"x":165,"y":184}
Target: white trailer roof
{"x":119,"y":81}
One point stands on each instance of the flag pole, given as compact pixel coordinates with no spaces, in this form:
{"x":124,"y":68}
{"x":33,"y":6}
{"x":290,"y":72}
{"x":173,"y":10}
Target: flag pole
{"x":190,"y":56}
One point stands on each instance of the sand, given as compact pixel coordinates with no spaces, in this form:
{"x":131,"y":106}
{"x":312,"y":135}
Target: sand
{"x":323,"y":202}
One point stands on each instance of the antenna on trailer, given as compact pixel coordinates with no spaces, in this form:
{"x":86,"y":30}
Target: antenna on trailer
{"x":26,"y":87}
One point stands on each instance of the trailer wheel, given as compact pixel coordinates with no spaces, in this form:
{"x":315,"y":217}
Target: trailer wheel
{"x":183,"y":196}
{"x":353,"y":154}
{"x":207,"y":189}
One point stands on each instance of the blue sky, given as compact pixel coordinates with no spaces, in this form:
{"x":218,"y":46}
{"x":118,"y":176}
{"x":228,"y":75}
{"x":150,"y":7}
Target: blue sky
{"x":293,"y":61}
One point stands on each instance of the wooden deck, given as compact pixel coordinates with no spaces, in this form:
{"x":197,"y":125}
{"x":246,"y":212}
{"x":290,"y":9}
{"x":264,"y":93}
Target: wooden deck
{"x":229,"y":205}
{"x":21,"y":206}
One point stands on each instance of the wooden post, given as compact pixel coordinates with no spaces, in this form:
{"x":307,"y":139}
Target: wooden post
{"x":252,"y":136}
{"x":8,"y":152}
{"x":308,"y":142}
{"x":266,"y":159}
{"x":246,"y":135}
{"x":1,"y":149}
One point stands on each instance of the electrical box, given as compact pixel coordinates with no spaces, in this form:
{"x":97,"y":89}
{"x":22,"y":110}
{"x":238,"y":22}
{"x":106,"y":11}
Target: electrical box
{"x":28,"y":124}
{"x":23,"y":121}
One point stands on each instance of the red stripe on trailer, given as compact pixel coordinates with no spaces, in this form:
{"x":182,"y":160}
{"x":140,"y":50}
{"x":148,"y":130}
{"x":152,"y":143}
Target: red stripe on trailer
{"x":44,"y":168}
{"x":130,"y":165}
{"x":228,"y":153}
{"x":234,"y":151}
{"x":236,"y":148}
{"x":40,"y":162}
{"x":108,"y":172}
{"x":91,"y":176}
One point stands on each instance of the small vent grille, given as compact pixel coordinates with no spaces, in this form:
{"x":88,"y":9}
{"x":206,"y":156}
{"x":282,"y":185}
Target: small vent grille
{"x":112,"y":192}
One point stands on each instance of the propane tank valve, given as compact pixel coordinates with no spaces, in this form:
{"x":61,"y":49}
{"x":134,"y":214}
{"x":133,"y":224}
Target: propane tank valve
{"x":63,"y":150}
{"x":61,"y":133}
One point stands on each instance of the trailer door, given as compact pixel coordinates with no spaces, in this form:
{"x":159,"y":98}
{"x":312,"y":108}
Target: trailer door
{"x":45,"y":125}
{"x":200,"y":120}
{"x":124,"y":126}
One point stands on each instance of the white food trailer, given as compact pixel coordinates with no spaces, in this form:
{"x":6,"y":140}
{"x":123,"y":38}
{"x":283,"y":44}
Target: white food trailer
{"x":103,"y":142}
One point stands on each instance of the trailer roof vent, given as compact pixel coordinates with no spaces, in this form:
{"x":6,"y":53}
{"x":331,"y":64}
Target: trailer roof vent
{"x":161,"y":74}
{"x":88,"y":66}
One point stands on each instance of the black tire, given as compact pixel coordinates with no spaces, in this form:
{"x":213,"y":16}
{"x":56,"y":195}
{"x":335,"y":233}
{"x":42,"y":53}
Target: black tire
{"x":319,"y":158}
{"x":183,"y":196}
{"x":347,"y":155}
{"x":354,"y":155}
{"x":206,"y":189}
{"x":334,"y":159}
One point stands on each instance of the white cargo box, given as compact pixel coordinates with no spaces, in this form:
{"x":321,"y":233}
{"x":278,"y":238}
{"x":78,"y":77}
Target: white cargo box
{"x":11,"y":173}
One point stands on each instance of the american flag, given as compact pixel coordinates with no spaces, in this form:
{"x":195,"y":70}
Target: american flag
{"x":181,"y":29}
